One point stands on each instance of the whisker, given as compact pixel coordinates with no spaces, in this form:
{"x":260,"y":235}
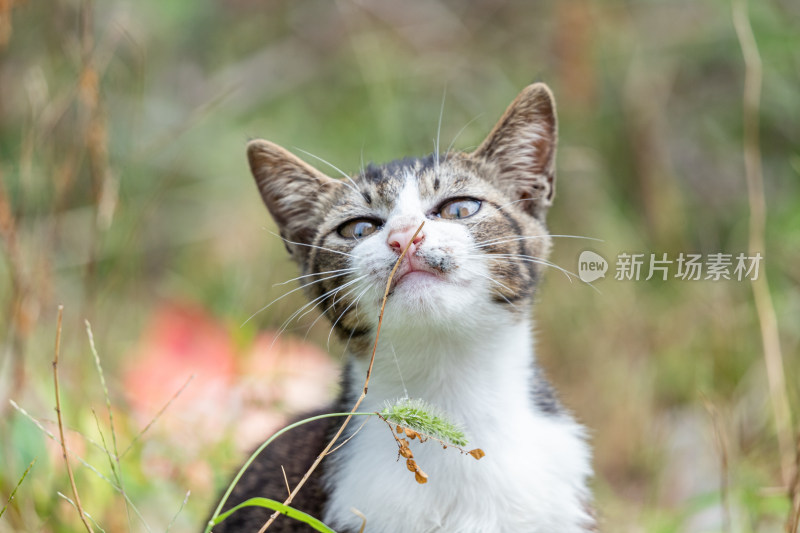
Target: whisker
{"x":285,"y":325}
{"x":399,"y":372}
{"x":310,"y":306}
{"x":439,"y":130}
{"x":516,"y":202}
{"x":453,"y":142}
{"x":333,"y":292}
{"x":318,"y":158}
{"x":531,"y":259}
{"x":312,"y":246}
{"x":503,"y":240}
{"x":353,"y":187}
{"x":284,"y":295}
{"x":345,"y":270}
{"x":358,"y":322}
{"x":363,"y":167}
{"x":544,"y":262}
{"x":325,"y":311}
{"x":494,"y":281}
{"x":346,"y":309}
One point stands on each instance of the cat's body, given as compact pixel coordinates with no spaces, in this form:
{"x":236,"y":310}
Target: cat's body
{"x":456,"y":333}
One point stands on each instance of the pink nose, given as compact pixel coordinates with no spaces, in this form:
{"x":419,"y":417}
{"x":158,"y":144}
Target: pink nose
{"x":399,"y":239}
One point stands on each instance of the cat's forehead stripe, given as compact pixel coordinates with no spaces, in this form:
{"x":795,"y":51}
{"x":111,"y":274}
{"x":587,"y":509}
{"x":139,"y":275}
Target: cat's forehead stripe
{"x":381,"y":185}
{"x":397,"y":169}
{"x":408,"y":200}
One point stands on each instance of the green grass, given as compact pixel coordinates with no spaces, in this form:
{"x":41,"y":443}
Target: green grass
{"x":129,"y":201}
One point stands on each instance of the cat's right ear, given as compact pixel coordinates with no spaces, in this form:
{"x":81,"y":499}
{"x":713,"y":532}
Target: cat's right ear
{"x":292,"y":190}
{"x":523,"y":147}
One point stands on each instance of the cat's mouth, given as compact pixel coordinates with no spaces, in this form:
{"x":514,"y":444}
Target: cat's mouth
{"x":415,"y":270}
{"x":410,"y":275}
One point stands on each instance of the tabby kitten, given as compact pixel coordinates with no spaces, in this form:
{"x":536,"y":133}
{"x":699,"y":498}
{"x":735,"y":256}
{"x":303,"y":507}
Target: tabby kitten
{"x":457,"y":333}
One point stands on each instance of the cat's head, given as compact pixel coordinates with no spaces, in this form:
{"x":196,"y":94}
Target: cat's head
{"x":479,"y":253}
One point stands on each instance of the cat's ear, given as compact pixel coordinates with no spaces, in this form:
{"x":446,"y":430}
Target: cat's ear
{"x":292,"y":190}
{"x":522,"y":146}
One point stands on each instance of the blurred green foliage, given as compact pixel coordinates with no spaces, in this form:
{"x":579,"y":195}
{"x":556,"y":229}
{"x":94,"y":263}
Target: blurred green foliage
{"x":125,"y":187}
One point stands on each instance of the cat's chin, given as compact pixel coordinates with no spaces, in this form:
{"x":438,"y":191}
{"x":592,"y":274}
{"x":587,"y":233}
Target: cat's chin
{"x":428,"y":298}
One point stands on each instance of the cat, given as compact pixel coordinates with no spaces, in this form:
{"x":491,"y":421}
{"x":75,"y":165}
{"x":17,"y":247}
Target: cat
{"x":456,"y":333}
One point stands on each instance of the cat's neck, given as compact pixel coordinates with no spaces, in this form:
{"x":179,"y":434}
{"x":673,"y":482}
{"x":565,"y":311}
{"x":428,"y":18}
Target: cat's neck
{"x":484,"y":379}
{"x":469,"y":373}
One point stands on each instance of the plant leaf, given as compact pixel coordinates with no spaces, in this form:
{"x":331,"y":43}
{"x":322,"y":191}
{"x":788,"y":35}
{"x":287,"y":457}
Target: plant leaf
{"x":291,"y":512}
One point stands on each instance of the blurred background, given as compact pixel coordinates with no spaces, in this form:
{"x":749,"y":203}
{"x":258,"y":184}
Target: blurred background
{"x":126,"y":198}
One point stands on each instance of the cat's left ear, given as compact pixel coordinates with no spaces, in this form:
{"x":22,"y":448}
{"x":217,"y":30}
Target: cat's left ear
{"x":522,"y":146}
{"x":293,"y":191}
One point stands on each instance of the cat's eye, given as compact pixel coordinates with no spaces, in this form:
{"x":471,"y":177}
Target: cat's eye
{"x":358,"y":228}
{"x":459,"y":208}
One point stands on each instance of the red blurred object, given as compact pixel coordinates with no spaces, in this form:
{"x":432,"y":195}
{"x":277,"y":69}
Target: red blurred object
{"x":181,"y":341}
{"x":251,"y":392}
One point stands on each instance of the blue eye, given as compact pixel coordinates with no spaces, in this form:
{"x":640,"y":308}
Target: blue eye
{"x":459,"y":208}
{"x":358,"y":228}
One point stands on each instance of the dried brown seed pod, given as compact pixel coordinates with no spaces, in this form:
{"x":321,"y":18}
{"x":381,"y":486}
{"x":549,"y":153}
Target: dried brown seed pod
{"x":477,"y":453}
{"x":420,"y":476}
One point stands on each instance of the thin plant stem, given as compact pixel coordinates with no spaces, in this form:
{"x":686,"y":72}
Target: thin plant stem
{"x":80,"y":459}
{"x":113,"y":459}
{"x":324,"y":452}
{"x":158,"y":415}
{"x":793,"y":521}
{"x":14,"y":492}
{"x":72,"y":503}
{"x":362,"y":517}
{"x":61,"y":424}
{"x":722,"y":446}
{"x":183,"y":504}
{"x":770,"y":339}
{"x":258,"y":451}
{"x":345,"y":441}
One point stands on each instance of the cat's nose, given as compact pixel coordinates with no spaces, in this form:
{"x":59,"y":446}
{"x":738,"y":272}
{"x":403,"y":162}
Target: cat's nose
{"x":400,"y":238}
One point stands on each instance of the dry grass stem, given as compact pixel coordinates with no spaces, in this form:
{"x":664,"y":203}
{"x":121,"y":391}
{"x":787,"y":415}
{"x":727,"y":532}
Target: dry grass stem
{"x":158,"y":415}
{"x":20,"y":301}
{"x":765,"y":310}
{"x":80,"y":459}
{"x":72,"y":503}
{"x":286,"y":481}
{"x":362,"y":517}
{"x":793,"y":522}
{"x":183,"y":504}
{"x":363,"y":392}
{"x":114,"y":461}
{"x":724,"y":462}
{"x":345,"y":441}
{"x":6,"y":28}
{"x":52,"y":437}
{"x":61,"y":423}
{"x":14,"y":491}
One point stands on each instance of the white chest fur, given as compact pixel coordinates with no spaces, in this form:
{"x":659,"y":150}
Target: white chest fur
{"x":532,"y":479}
